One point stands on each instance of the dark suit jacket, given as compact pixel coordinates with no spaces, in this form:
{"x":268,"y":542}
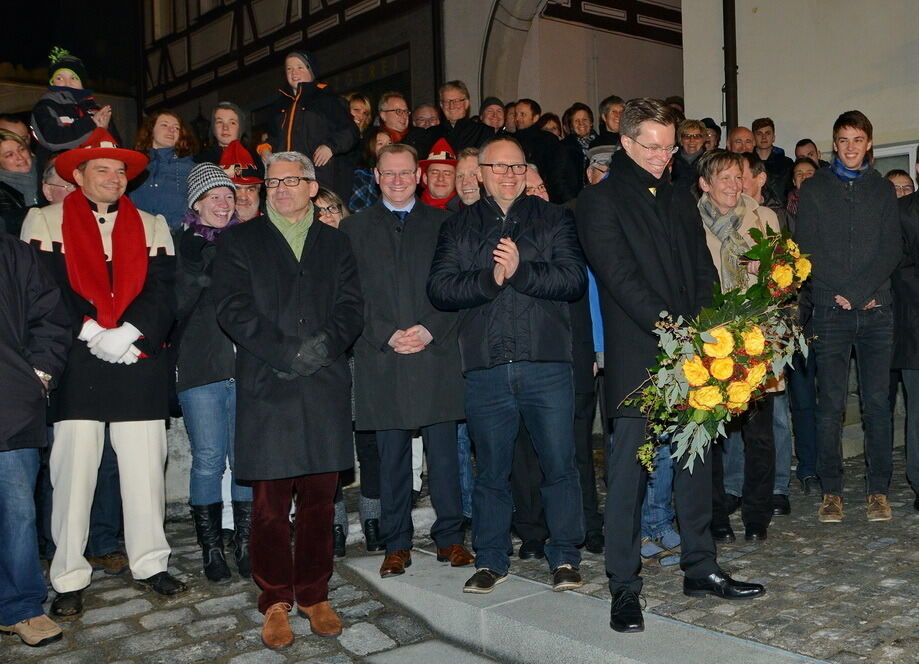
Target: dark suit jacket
{"x":648,"y":254}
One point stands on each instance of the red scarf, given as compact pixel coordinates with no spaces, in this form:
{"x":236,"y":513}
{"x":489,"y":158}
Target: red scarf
{"x":441,"y":203}
{"x":396,"y":136}
{"x":85,"y":258}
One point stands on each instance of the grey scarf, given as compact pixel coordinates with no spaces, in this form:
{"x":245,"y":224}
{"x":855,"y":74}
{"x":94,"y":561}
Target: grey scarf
{"x":733,"y":245}
{"x":25,"y":183}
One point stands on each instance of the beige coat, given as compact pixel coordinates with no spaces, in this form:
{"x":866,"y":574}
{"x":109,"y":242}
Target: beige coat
{"x":756,"y":216}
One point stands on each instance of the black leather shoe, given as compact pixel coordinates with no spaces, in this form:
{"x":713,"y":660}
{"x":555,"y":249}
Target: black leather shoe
{"x":163,"y":583}
{"x":723,"y":534}
{"x":625,"y":612}
{"x":754,"y":533}
{"x":483,"y":581}
{"x":721,"y":585}
{"x":532,"y":549}
{"x":67,"y":604}
{"x":780,"y":505}
{"x":916,"y":503}
{"x":372,"y":536}
{"x":732,"y":502}
{"x":810,"y":485}
{"x":566,"y":577}
{"x":338,"y":541}
{"x":594,"y":541}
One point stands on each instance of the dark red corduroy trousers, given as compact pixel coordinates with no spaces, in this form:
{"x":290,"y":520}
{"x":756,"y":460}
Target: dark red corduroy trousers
{"x":300,"y":576}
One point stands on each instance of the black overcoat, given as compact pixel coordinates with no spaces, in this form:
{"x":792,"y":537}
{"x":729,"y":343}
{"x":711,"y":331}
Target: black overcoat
{"x":905,"y":282}
{"x":267,"y":302}
{"x":394,"y":391}
{"x":648,"y":254}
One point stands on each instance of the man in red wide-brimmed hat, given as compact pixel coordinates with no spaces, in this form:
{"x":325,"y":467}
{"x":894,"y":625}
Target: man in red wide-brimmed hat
{"x":438,"y":177}
{"x":115,"y":266}
{"x":240,"y":167}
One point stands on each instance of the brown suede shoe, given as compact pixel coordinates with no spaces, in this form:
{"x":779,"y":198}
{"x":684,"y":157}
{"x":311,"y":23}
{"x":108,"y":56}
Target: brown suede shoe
{"x":395,"y":563}
{"x":879,"y":508}
{"x":831,"y":509}
{"x":323,"y":619}
{"x":276,"y":632}
{"x":36,"y":632}
{"x":113,"y":562}
{"x":456,"y":555}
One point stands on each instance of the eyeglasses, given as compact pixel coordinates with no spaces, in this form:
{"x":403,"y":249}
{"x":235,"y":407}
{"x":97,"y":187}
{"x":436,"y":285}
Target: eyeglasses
{"x":532,"y":190}
{"x":331,"y":209}
{"x":904,"y":188}
{"x":661,"y":149}
{"x":391,"y":175}
{"x":450,"y":103}
{"x":289,"y":181}
{"x":67,"y":186}
{"x":397,"y":111}
{"x":501,"y":169}
{"x":691,"y":136}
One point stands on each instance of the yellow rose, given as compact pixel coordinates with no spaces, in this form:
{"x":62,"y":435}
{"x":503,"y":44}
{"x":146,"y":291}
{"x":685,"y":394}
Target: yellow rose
{"x":695,"y":372}
{"x":792,"y":248}
{"x":756,"y":374}
{"x":723,"y":368}
{"x":753,"y":340}
{"x":724,"y":343}
{"x":738,"y":393}
{"x":783,"y":275}
{"x":705,"y":398}
{"x":802,"y":268}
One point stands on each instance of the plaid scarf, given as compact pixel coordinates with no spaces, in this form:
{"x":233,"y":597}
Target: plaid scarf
{"x":847,"y":174}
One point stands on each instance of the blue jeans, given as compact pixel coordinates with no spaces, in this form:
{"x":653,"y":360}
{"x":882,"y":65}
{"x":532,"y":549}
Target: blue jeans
{"x":733,"y":460}
{"x":22,"y":585}
{"x":466,"y":476}
{"x":657,"y":511}
{"x":802,"y":397}
{"x":781,"y":431}
{"x":210,"y":418}
{"x":542,"y":393}
{"x":870,"y":332}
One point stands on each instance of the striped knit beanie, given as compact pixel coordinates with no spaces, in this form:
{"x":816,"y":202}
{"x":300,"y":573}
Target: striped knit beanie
{"x":203,"y":178}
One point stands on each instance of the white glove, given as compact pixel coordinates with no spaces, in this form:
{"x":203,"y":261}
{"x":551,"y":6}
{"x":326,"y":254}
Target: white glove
{"x":131,"y":356}
{"x":90,"y":329}
{"x":111,"y":345}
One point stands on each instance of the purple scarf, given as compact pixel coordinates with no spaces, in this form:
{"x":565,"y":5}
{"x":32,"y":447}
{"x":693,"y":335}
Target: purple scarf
{"x":193,"y":221}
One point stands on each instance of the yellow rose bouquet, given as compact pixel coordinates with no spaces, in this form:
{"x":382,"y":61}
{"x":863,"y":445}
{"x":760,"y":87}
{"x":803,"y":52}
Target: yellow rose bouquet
{"x":711,"y":368}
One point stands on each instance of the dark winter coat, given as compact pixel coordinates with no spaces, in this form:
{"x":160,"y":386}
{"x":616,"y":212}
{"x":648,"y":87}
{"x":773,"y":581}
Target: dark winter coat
{"x":90,"y":388}
{"x":34,"y":334}
{"x":649,"y":255}
{"x":545,"y":151}
{"x":905,"y":280}
{"x":464,"y":134}
{"x":12,"y":209}
{"x":391,"y":390}
{"x":852,"y":232}
{"x":311,"y":117}
{"x":268,"y":302}
{"x":527,"y":318}
{"x":206,"y":353}
{"x":63,"y":119}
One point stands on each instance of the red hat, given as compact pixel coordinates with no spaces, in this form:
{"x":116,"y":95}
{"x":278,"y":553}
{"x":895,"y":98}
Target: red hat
{"x":441,"y":153}
{"x":100,"y":145}
{"x":237,"y":161}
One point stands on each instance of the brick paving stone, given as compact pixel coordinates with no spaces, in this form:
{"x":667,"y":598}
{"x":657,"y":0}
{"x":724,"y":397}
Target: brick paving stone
{"x":357,"y":611}
{"x":103,"y":633}
{"x":200,"y":628}
{"x":402,"y":628}
{"x":331,"y":659}
{"x":120,"y":593}
{"x":218,"y":605}
{"x":86,"y":656}
{"x":166,"y":618}
{"x":109,"y":613}
{"x":346,"y":594}
{"x":264,"y":656}
{"x":363,"y":638}
{"x":204,"y":651}
{"x":140,"y":644}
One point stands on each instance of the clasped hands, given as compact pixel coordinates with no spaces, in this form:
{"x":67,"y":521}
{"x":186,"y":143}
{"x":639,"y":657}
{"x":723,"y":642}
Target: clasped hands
{"x":412,"y":340}
{"x":845,"y":304}
{"x":507,"y":260}
{"x":115,"y":345}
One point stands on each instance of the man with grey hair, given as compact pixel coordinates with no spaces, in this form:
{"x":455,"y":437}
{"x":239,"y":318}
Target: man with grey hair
{"x":287,"y":294}
{"x":645,"y":244}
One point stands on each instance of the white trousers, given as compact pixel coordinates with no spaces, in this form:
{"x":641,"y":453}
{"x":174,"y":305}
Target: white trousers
{"x":74,"y":465}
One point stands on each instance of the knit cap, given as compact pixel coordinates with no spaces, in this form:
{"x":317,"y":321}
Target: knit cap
{"x":203,"y":178}
{"x":60,"y":58}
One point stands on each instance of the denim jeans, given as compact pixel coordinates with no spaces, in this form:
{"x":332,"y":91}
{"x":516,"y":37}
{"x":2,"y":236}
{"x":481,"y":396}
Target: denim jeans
{"x":732,"y":456}
{"x":210,"y":419}
{"x":657,"y":511}
{"x":911,"y":386}
{"x":836,"y":332}
{"x":22,"y":585}
{"x":542,"y":393}
{"x":466,"y":475}
{"x":781,"y":431}
{"x":802,"y":397}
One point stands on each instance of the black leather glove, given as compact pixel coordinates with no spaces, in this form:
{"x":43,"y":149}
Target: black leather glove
{"x":312,"y":355}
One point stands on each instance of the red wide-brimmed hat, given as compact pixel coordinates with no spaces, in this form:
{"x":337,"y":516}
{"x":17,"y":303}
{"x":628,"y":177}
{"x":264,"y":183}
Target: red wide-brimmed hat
{"x":100,"y":145}
{"x":441,"y":153}
{"x":238,"y":163}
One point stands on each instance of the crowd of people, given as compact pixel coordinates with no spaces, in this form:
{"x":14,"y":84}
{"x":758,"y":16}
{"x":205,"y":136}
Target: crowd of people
{"x":476,"y":287}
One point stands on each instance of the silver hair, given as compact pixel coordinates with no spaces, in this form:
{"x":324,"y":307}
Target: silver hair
{"x":533,"y":167}
{"x":306,"y":165}
{"x":48,"y":173}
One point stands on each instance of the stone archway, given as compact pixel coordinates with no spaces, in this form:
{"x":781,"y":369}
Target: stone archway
{"x":507,"y":34}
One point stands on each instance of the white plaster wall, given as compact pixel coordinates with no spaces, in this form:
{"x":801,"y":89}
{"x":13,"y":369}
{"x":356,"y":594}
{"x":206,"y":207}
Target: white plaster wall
{"x":803,"y":62}
{"x":464,"y":43}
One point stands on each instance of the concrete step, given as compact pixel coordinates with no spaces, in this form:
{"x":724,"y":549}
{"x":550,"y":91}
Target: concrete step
{"x":525,"y":621}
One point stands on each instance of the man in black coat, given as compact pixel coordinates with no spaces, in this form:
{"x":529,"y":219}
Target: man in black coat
{"x":288,"y":295}
{"x":545,"y":151}
{"x":34,"y":340}
{"x":512,"y":263}
{"x":116,"y":371}
{"x":645,"y":243}
{"x":406,"y":362}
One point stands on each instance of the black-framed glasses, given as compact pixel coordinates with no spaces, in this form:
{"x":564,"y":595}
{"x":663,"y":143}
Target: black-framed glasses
{"x":450,"y":103}
{"x":501,"y":169}
{"x":289,"y":181}
{"x":67,"y":186}
{"x":536,"y":188}
{"x":335,"y":208}
{"x":661,"y":149}
{"x":397,"y":111}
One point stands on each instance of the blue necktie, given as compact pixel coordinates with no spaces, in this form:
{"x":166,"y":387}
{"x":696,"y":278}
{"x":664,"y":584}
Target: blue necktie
{"x":401,"y":214}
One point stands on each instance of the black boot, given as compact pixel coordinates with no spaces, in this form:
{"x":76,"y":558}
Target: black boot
{"x":372,"y":535}
{"x":210,"y":537}
{"x":242,"y":517}
{"x":338,"y":541}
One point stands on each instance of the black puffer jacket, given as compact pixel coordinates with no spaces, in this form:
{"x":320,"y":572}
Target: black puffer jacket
{"x":527,"y":318}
